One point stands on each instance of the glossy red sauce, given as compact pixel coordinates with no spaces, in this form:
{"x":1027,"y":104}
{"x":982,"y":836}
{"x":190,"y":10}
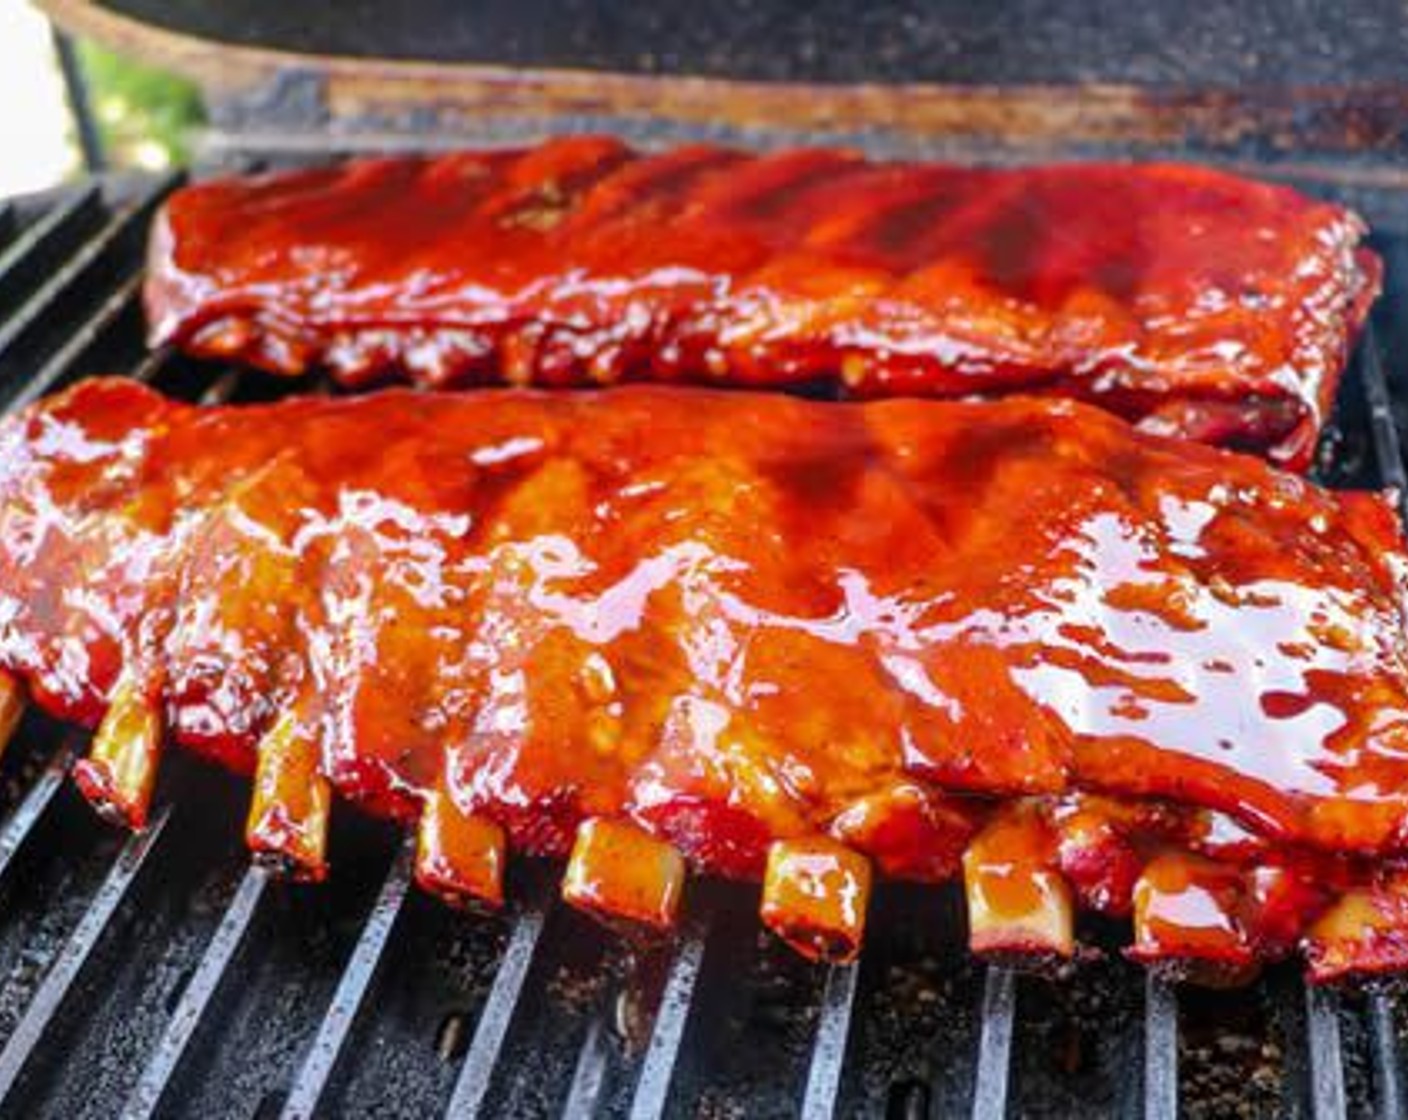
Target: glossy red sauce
{"x":1204,"y":305}
{"x":642,"y":603}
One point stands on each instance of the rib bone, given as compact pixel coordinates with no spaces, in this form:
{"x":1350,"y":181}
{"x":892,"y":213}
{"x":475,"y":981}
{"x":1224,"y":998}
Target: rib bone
{"x":289,"y":812}
{"x":459,"y":856}
{"x":619,"y":872}
{"x":815,"y":896}
{"x":119,"y":774}
{"x":1019,"y":906}
{"x":1363,"y":933}
{"x":1188,"y":920}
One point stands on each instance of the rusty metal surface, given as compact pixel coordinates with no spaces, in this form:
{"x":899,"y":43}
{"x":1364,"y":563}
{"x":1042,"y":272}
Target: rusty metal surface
{"x":1257,"y":82}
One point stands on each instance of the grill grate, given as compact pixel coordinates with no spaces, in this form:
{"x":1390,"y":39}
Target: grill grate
{"x":160,"y":974}
{"x":352,"y":990}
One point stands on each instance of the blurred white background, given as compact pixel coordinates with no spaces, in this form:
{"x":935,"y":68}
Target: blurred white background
{"x":34,"y":123}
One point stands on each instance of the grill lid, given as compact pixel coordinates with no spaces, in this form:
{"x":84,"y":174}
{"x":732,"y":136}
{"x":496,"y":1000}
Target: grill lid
{"x":1160,"y":42}
{"x":1240,"y":79}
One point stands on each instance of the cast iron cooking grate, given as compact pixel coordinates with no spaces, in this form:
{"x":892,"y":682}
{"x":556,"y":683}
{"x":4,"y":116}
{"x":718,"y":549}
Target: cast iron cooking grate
{"x":160,"y":974}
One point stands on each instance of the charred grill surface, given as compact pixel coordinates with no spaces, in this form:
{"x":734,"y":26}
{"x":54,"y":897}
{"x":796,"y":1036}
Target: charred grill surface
{"x":1215,"y":308}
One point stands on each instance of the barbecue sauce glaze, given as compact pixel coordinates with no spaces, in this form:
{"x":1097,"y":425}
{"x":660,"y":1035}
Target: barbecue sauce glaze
{"x":734,"y":619}
{"x":1202,"y":304}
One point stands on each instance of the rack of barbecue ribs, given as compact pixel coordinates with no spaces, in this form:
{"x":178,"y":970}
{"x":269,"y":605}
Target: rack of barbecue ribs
{"x":1197,"y":303}
{"x":663,"y":631}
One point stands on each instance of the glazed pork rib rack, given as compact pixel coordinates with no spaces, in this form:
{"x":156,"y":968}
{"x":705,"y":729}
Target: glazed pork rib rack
{"x":1084,"y":665}
{"x":255,"y":991}
{"x":1216,"y":308}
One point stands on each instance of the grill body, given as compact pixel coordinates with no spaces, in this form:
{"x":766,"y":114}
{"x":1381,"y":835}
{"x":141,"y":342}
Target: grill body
{"x":160,"y":975}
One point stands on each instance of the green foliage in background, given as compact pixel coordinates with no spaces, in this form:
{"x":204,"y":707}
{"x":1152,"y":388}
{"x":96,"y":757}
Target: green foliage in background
{"x":146,"y":115}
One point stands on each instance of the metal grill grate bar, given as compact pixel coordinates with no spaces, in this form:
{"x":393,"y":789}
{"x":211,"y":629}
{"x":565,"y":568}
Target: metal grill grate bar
{"x":994,"y":1072}
{"x":1387,"y":444}
{"x":49,"y":295}
{"x":1160,"y":1049}
{"x":153,"y":364}
{"x":1384,"y":1044}
{"x":31,"y":810}
{"x":584,"y":1095}
{"x":7,"y":220}
{"x":52,"y":992}
{"x":64,"y":360}
{"x":221,"y":389}
{"x":352,"y":989}
{"x":214,"y":965}
{"x":838,"y":1001}
{"x":43,"y":238}
{"x":482,"y":1058}
{"x":658,"y":1066}
{"x":1325,"y":1054}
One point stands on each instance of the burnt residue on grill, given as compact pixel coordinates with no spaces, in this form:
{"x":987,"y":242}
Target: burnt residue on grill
{"x":1233,"y":1053}
{"x":158,"y":974}
{"x":917,"y":1008}
{"x":1082,"y":1035}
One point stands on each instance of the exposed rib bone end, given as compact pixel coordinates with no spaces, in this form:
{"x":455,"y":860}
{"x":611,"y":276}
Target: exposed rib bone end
{"x":815,"y":895}
{"x":1020,"y":909}
{"x":119,"y":774}
{"x":1363,"y":934}
{"x":1188,"y":922}
{"x":619,"y":873}
{"x":460,"y":856}
{"x":287,"y":828}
